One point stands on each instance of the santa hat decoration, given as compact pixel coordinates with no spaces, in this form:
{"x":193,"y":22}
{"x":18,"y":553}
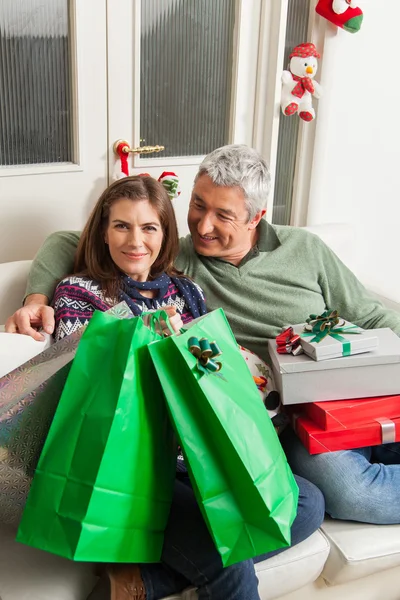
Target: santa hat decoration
{"x":171,"y":183}
{"x":305,"y":50}
{"x":342,"y":13}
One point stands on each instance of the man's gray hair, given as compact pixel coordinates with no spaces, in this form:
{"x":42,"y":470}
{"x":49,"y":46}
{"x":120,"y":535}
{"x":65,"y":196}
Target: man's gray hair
{"x":240,"y":166}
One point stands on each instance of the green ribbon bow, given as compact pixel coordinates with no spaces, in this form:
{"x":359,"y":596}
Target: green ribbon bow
{"x":329,"y":324}
{"x":205,"y":352}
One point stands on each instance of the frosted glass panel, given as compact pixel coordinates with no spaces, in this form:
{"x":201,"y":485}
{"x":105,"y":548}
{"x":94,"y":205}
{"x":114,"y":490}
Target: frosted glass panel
{"x":296,"y":33}
{"x":35,"y":82}
{"x":185,"y":79}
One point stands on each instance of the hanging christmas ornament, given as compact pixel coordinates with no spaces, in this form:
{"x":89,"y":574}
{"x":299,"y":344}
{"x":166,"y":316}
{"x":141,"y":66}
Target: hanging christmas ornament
{"x":298,"y":85}
{"x":342,"y":13}
{"x":171,"y":183}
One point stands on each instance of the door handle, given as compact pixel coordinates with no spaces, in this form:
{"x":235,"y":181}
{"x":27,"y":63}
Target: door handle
{"x":123,"y":146}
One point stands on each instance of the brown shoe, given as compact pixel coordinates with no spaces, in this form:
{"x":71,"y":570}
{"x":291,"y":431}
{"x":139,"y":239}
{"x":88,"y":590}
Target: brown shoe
{"x":126,"y":583}
{"x":102,"y":589}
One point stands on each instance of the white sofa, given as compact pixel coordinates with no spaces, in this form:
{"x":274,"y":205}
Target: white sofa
{"x":342,"y":560}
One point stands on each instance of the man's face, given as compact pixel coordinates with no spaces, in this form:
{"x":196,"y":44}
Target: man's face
{"x":218,"y":221}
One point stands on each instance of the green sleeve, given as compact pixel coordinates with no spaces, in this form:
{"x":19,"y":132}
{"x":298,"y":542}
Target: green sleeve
{"x":54,"y":260}
{"x":183,"y":260}
{"x":344,"y":292}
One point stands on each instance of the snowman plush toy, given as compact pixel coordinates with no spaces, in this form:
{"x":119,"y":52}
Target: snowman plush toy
{"x":298,"y":85}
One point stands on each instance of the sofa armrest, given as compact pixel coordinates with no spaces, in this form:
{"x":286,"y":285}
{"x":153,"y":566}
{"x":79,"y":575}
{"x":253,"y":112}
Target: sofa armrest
{"x":13,"y":276}
{"x":16,"y":349}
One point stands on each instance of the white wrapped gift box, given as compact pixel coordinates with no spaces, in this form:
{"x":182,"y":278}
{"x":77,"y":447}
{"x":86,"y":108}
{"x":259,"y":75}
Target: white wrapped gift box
{"x":338,"y":343}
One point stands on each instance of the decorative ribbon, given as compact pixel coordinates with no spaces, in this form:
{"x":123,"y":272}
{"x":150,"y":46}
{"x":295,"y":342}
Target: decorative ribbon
{"x":320,"y":326}
{"x":388,"y":429}
{"x":205,"y":352}
{"x":123,"y":156}
{"x":304,"y":84}
{"x":287,"y":342}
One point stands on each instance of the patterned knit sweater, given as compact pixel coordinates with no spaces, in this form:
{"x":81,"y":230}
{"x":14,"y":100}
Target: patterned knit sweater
{"x":76,"y":298}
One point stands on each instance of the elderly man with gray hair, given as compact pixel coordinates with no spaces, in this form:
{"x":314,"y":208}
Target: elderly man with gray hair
{"x":263,"y":276}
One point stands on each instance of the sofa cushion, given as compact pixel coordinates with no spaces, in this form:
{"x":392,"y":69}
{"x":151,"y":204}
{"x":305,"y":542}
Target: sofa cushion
{"x":29,"y":574}
{"x":358,"y":550}
{"x":304,"y":562}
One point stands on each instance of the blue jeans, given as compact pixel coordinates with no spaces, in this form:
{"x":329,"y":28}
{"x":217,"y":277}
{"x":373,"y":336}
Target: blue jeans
{"x":358,"y":485}
{"x":190,"y":557}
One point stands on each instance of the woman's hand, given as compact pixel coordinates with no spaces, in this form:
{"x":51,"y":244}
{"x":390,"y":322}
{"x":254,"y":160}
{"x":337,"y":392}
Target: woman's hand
{"x":174,"y":318}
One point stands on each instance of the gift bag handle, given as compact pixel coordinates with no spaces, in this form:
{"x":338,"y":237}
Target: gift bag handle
{"x":157,"y":322}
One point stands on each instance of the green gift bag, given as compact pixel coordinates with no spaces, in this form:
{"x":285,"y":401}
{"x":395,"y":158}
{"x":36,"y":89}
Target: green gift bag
{"x":242,"y":482}
{"x":104,"y":482}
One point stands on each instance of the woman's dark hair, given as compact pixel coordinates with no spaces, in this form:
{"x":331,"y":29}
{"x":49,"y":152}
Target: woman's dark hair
{"x":93,"y":258}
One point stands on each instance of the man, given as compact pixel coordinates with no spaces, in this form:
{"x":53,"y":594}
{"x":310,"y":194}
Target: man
{"x":263,"y":276}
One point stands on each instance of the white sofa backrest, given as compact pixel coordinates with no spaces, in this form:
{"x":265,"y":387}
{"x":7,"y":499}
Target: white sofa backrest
{"x":13,"y":276}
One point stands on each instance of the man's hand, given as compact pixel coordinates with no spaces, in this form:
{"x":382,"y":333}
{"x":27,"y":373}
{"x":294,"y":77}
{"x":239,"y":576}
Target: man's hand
{"x":174,"y":318}
{"x":34,"y":315}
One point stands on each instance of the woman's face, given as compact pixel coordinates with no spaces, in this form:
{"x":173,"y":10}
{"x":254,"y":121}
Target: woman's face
{"x":134,"y":236}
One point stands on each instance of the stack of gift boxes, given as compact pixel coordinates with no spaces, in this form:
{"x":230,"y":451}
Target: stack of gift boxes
{"x":339,"y":383}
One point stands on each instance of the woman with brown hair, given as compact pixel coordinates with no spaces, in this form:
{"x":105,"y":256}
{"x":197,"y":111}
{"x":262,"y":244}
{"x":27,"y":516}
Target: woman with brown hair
{"x":126,"y":253}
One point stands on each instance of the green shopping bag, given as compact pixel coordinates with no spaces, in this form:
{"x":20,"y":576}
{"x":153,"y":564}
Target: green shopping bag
{"x":240,"y":476}
{"x":104,"y":482}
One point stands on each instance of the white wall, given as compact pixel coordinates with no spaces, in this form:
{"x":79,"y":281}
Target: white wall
{"x":356,"y":167}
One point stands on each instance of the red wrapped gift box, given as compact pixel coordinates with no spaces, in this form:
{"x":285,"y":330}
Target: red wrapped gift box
{"x":340,"y":414}
{"x":317,"y":440}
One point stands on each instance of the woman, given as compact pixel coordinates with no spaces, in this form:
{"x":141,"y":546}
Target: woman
{"x":126,"y":252}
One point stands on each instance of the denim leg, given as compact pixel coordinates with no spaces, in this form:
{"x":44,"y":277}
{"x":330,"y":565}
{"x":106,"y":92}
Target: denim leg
{"x":310,"y":514}
{"x":190,"y":557}
{"x":388,"y":454}
{"x":355,"y":488}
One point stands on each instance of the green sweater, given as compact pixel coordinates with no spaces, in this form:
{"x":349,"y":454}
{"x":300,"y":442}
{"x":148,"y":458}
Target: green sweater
{"x":290,"y":274}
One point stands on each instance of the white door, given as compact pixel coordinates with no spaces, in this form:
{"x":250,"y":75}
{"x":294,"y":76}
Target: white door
{"x":53,"y":118}
{"x":77,"y":75}
{"x":182,"y":74}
